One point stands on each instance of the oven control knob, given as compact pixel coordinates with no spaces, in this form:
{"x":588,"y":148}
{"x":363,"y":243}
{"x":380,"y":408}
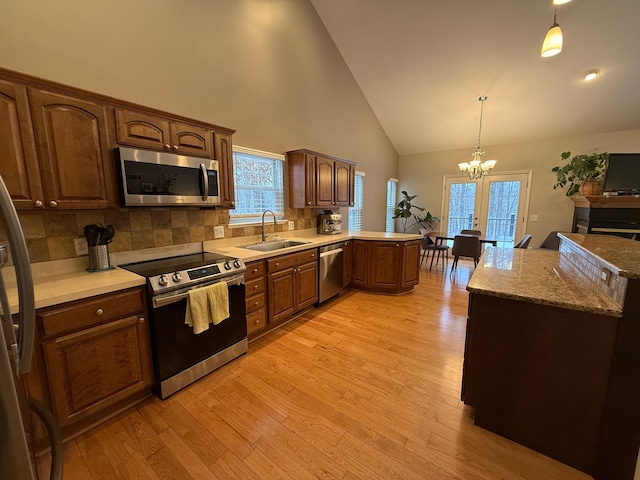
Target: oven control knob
{"x":163,"y":280}
{"x":176,"y":277}
{"x":227,"y":265}
{"x":236,"y":263}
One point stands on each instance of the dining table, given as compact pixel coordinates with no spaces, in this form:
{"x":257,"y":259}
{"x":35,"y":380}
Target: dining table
{"x":441,"y":237}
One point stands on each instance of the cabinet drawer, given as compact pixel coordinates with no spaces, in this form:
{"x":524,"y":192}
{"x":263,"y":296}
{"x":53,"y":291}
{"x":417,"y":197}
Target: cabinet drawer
{"x":255,"y":302}
{"x":256,"y":321}
{"x":254,"y":270}
{"x":287,"y":261}
{"x":85,"y":313}
{"x":253,"y":287}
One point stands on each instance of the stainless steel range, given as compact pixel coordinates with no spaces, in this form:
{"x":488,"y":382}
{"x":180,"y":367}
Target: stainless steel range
{"x":181,"y":357}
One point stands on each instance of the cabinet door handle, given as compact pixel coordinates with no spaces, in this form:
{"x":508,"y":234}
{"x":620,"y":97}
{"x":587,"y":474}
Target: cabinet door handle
{"x":256,"y":303}
{"x":53,"y":203}
{"x":141,"y":319}
{"x":256,"y":322}
{"x":167,"y":146}
{"x":175,"y":148}
{"x":39,"y":203}
{"x":99,"y":311}
{"x":255,"y":270}
{"x":277,"y":264}
{"x":255,"y":287}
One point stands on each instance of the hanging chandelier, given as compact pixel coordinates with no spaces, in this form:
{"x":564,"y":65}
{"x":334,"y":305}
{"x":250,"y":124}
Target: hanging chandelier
{"x":476,"y":168}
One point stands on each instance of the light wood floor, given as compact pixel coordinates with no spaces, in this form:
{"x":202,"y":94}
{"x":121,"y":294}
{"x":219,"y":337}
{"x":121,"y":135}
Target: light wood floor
{"x":365,"y":387}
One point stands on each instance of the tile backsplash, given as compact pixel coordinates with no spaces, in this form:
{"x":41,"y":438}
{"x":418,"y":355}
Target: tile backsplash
{"x":50,"y":235}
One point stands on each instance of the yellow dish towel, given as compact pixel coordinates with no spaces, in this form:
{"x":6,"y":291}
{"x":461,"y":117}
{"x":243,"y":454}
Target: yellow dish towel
{"x":218,"y":296}
{"x":207,"y":305}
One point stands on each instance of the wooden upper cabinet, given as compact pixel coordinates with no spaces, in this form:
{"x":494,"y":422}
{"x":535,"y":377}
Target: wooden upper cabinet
{"x":73,"y":148}
{"x":224,"y":155}
{"x":141,"y":129}
{"x":325,"y":183}
{"x":19,"y":162}
{"x":317,"y":180}
{"x":344,"y":174}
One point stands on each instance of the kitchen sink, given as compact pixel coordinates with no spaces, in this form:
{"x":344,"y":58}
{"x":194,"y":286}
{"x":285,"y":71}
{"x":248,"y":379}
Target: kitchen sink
{"x":273,"y":245}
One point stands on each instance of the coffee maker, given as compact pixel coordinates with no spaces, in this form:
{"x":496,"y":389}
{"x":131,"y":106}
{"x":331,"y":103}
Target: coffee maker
{"x":329,"y":223}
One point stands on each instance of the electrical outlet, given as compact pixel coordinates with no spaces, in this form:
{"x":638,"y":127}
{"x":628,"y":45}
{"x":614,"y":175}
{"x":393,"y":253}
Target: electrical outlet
{"x":81,"y":246}
{"x":533,"y":218}
{"x":218,"y":231}
{"x":292,"y":225}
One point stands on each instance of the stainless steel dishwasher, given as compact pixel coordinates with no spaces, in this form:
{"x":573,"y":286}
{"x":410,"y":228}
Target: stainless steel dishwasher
{"x":330,"y":271}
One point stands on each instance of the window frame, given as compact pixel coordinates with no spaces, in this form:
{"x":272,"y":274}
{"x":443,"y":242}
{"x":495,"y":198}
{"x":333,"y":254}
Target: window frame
{"x":243,"y":220}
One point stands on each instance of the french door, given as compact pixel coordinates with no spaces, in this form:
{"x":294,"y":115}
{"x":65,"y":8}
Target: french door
{"x":496,"y":205}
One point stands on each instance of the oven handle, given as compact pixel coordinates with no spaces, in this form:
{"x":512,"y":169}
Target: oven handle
{"x":161,"y":301}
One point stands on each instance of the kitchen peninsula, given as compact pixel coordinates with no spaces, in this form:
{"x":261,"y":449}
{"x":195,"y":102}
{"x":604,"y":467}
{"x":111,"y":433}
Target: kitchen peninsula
{"x":552,"y":351}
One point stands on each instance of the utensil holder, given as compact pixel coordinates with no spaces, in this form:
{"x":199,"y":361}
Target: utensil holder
{"x":99,"y":258}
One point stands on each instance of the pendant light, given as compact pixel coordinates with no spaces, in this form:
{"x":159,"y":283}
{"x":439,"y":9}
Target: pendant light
{"x":552,"y":44}
{"x":476,"y":168}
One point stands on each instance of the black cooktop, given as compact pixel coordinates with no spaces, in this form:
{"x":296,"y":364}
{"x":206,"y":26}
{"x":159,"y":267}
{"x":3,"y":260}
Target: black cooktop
{"x":152,"y":268}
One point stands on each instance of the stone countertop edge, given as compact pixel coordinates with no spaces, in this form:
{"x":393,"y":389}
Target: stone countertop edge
{"x":62,"y":281}
{"x":621,"y":254}
{"x":532,"y":276}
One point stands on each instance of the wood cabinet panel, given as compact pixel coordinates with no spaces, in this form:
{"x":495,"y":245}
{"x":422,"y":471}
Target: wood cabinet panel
{"x":281,"y":286}
{"x":73,"y":147}
{"x":343,"y":184}
{"x":224,"y":155}
{"x":347,"y":267}
{"x":256,"y":322}
{"x":256,"y":297}
{"x":19,"y":166}
{"x":191,"y":139}
{"x":94,"y":368}
{"x":306,"y":285}
{"x":360,"y":263}
{"x":325,"y":183}
{"x":385,"y":264}
{"x":410,"y":263}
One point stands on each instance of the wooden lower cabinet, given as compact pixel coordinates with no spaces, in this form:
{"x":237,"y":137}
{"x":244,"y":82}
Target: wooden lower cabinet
{"x":256,"y":298}
{"x":96,"y":355}
{"x":292,"y":284}
{"x":539,"y":375}
{"x":385,"y":266}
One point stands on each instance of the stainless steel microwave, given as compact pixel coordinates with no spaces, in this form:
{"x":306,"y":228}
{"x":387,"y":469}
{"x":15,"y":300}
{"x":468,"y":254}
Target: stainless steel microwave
{"x":159,"y":178}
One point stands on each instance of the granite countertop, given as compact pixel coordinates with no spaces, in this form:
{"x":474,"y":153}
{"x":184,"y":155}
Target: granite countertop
{"x":532,"y":276}
{"x":63,"y":281}
{"x":622,"y":254}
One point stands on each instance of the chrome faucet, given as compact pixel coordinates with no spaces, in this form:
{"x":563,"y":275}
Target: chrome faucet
{"x":264,"y":235}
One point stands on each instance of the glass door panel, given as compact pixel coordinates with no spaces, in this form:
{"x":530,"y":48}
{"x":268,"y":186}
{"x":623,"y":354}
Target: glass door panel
{"x":494,"y":205}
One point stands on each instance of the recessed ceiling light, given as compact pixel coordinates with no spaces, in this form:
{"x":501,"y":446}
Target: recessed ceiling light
{"x":591,"y":74}
{"x":560,"y":2}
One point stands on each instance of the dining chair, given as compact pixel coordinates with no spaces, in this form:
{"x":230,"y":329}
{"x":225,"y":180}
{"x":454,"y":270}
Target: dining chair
{"x":429,"y":245}
{"x":524,"y":242}
{"x":465,"y":246}
{"x":471,"y":232}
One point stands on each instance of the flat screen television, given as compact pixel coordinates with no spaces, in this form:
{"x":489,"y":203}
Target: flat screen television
{"x":623,"y":174}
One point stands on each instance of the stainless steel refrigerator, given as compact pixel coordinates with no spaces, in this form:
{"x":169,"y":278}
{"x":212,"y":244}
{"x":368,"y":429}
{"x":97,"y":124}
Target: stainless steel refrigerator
{"x":17,"y":459}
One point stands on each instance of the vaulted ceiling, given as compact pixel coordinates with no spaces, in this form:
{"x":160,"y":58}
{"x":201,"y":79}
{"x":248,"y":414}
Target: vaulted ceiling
{"x":422,"y":64}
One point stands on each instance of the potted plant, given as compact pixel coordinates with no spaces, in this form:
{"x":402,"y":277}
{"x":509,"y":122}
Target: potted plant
{"x":404,"y":211}
{"x":583,"y":173}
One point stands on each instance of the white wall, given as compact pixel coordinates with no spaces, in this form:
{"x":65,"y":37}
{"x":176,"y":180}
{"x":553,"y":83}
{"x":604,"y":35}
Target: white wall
{"x":422,"y":174}
{"x":265,"y":68}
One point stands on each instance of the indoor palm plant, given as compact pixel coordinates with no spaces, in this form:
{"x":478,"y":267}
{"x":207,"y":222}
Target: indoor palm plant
{"x":583,"y":173}
{"x":404,"y":211}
